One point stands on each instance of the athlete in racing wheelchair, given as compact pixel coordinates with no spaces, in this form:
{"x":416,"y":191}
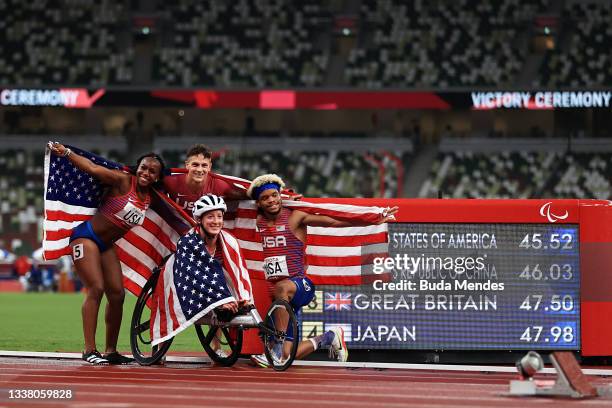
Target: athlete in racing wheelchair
{"x":206,"y":283}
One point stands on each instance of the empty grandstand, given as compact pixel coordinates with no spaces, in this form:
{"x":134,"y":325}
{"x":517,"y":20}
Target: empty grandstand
{"x":518,"y":168}
{"x":243,"y":44}
{"x":72,"y":42}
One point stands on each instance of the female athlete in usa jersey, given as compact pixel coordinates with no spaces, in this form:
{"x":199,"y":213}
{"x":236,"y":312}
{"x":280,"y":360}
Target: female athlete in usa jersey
{"x":95,"y":260}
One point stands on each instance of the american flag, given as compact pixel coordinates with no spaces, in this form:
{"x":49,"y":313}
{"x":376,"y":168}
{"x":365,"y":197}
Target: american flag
{"x":73,"y":196}
{"x":193,"y":283}
{"x":337,"y":301}
{"x":340,"y":256}
{"x":335,"y":256}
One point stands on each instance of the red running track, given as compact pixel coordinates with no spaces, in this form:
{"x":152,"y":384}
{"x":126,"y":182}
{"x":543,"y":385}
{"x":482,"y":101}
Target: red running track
{"x":189,"y":386}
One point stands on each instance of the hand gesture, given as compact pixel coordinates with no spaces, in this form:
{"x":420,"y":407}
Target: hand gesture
{"x":388,"y":215}
{"x":58,"y":148}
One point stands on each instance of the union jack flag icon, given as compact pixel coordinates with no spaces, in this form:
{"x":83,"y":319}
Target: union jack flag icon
{"x":338,"y":301}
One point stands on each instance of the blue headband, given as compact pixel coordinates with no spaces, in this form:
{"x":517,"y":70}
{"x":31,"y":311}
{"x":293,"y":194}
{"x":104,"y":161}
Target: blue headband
{"x":258,"y":190}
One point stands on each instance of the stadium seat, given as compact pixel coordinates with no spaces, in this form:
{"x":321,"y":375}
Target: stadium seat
{"x":70,"y":42}
{"x":583,"y":58}
{"x":440,"y":44}
{"x":242,"y":44}
{"x":520,"y":175}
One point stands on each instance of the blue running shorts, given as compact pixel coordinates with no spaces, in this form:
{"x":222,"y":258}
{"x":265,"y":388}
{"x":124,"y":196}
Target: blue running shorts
{"x":84,"y":230}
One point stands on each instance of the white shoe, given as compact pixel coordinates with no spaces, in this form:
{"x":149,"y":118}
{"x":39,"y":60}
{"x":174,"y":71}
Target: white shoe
{"x":260,"y":360}
{"x":338,"y":346}
{"x":222,"y":353}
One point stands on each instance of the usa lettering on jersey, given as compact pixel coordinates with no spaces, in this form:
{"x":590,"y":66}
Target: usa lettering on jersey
{"x":132,"y":214}
{"x":183,"y":203}
{"x":134,"y":217}
{"x":274,"y":241}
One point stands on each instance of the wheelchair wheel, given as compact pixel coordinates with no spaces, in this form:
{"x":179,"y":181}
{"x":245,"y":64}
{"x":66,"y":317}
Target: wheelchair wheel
{"x":140,"y":334}
{"x":222,"y":344}
{"x":280,"y":340}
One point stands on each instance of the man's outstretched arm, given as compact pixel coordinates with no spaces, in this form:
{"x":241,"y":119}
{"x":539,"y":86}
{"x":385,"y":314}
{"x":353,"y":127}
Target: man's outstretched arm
{"x":302,"y":219}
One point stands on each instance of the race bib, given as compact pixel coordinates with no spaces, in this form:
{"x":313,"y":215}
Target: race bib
{"x":276,"y":267}
{"x":132,"y":214}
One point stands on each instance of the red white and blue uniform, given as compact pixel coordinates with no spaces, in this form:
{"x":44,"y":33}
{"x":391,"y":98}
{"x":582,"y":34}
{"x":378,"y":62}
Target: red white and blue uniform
{"x":284,"y":257}
{"x":127,"y":210}
{"x":178,"y":190}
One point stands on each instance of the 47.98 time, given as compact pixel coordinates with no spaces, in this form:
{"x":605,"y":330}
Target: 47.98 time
{"x":555,"y":334}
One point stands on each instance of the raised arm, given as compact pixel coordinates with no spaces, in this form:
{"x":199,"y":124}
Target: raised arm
{"x":235,"y":194}
{"x":106,"y":176}
{"x":299,"y":218}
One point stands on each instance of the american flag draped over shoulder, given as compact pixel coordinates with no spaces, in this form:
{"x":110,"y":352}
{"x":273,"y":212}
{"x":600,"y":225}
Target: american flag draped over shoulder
{"x":144,"y":247}
{"x":335,"y":256}
{"x":73,"y":196}
{"x":193,"y":283}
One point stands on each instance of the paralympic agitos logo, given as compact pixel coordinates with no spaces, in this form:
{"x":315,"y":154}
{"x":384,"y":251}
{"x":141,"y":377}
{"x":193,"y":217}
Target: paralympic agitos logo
{"x":546,"y":212}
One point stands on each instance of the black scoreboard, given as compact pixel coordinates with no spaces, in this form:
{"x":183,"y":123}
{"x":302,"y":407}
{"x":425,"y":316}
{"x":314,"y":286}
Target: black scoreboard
{"x":462,"y":287}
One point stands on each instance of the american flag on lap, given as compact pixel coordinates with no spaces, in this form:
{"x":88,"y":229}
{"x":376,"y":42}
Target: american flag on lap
{"x":193,"y":283}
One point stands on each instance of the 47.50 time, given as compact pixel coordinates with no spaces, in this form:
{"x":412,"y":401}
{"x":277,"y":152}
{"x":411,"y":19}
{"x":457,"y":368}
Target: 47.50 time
{"x":557,"y":303}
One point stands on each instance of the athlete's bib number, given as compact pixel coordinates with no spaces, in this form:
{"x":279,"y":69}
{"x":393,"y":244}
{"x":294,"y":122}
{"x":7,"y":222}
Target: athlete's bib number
{"x":276,"y":267}
{"x":132,"y":214}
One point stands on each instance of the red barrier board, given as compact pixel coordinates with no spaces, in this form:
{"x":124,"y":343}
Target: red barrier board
{"x":589,"y":218}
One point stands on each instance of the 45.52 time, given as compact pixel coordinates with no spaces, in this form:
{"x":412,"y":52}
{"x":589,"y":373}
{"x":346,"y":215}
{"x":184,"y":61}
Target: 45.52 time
{"x":555,"y":241}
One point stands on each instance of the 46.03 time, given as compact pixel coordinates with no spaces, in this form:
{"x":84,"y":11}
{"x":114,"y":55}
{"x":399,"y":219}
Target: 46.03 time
{"x":554,"y":272}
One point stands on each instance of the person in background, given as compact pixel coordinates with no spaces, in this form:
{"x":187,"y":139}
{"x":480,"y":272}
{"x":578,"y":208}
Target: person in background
{"x":8,"y":258}
{"x":22,"y":267}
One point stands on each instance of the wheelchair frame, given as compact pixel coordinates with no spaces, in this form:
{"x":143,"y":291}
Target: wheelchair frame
{"x":231,"y":332}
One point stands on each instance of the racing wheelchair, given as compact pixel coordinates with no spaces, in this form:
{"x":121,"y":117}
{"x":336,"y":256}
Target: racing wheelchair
{"x":221,"y":338}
